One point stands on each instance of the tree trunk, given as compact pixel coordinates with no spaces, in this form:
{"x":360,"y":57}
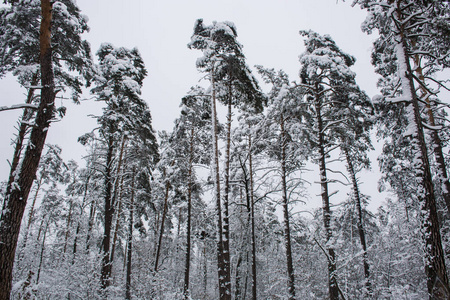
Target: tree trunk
{"x":19,"y":186}
{"x":252,"y":218}
{"x":435,"y":269}
{"x":69,"y":222}
{"x":161,"y":231}
{"x":332,"y":281}
{"x":38,"y":274}
{"x":226,"y":194}
{"x":224,"y":293}
{"x":130,"y":241}
{"x":109,"y":212}
{"x":436,"y":140}
{"x":287,"y":230}
{"x":188,"y":221}
{"x":362,"y":234}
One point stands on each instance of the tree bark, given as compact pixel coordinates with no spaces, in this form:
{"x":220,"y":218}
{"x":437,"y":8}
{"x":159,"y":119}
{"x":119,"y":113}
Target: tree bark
{"x":332,"y":281}
{"x":435,"y":269}
{"x":19,"y":185}
{"x":161,"y":231}
{"x":287,"y":229}
{"x":252,"y":217}
{"x":362,"y":234}
{"x":130,"y":241}
{"x":109,"y":212}
{"x":224,"y":293}
{"x":188,"y":222}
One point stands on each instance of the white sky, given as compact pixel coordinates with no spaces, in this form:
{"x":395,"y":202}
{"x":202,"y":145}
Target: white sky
{"x":268,"y":30}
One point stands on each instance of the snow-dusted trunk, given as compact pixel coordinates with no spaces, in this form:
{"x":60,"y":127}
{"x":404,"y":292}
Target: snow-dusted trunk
{"x":18,"y":190}
{"x":224,"y":293}
{"x":226,"y":218}
{"x":252,"y":217}
{"x":130,"y":240}
{"x":188,"y":222}
{"x":287,"y":229}
{"x":68,"y":224}
{"x":435,"y":139}
{"x":108,"y":216}
{"x":362,"y":234}
{"x":437,"y":280}
{"x":77,"y":232}
{"x":161,"y":230}
{"x":331,"y":256}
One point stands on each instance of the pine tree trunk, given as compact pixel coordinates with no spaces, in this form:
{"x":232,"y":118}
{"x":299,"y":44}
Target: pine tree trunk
{"x":109,"y":212}
{"x":435,"y":269}
{"x":69,"y":222}
{"x":161,"y":231}
{"x":19,"y":186}
{"x":188,"y":222}
{"x":130,"y":241}
{"x":226,"y":194}
{"x":252,"y":218}
{"x":224,"y":294}
{"x":436,"y":140}
{"x":362,"y":234}
{"x":287,"y":229}
{"x":332,"y":280}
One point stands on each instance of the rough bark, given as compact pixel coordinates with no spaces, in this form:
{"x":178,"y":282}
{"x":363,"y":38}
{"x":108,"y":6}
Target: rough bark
{"x":224,"y":293}
{"x":287,"y":229}
{"x":435,"y":269}
{"x":108,"y":216}
{"x":19,"y":186}
{"x":332,"y":281}
{"x":226,"y":195}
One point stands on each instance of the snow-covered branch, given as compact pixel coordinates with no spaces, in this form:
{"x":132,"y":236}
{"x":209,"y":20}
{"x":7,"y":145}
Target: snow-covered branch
{"x":19,"y":106}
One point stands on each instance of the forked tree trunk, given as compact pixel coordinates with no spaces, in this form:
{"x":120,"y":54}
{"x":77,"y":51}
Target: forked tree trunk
{"x":19,"y":186}
{"x":332,"y":280}
{"x":41,"y":258}
{"x":287,"y":229}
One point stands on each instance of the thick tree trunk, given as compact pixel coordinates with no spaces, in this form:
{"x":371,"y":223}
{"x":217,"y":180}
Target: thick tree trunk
{"x":109,"y":212}
{"x":435,"y":269}
{"x":332,"y":280}
{"x":161,"y":231}
{"x":19,"y":186}
{"x":287,"y":229}
{"x":130,"y":241}
{"x":436,"y":140}
{"x":188,"y":222}
{"x":362,"y":234}
{"x":224,"y":293}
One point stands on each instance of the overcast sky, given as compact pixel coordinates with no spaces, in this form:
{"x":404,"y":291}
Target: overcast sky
{"x":268,"y":30}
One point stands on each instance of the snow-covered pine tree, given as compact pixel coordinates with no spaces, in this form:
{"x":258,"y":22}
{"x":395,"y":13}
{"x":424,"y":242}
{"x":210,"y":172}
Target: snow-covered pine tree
{"x":327,"y":81}
{"x":414,"y":32}
{"x":232,"y":84}
{"x":118,"y":80}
